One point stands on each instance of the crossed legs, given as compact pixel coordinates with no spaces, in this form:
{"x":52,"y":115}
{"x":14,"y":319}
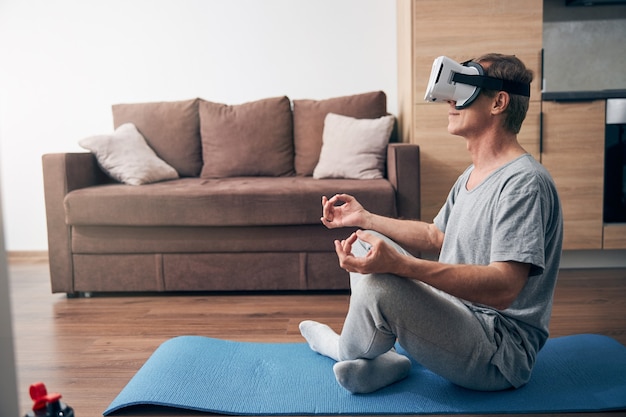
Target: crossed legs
{"x":436,"y":329}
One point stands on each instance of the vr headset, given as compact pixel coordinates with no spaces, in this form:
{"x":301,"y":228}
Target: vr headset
{"x":451,"y":81}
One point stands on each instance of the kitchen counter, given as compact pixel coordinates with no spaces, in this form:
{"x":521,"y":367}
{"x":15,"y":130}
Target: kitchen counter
{"x":583,"y":95}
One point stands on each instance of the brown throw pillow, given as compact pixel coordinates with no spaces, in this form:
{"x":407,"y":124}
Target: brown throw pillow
{"x":308,"y":122}
{"x":172,"y":129}
{"x":250,"y":139}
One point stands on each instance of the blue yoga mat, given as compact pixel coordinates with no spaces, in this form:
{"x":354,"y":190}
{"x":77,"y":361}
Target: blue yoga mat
{"x":581,"y":373}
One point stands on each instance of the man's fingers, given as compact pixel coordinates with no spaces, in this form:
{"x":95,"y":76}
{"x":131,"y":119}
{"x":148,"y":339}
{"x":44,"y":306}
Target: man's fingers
{"x":345,"y":198}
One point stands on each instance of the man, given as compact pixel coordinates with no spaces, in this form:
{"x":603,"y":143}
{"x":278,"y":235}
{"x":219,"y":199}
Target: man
{"x":479,"y":315}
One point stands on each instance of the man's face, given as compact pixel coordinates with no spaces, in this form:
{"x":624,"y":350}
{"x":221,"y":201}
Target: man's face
{"x":470,"y":121}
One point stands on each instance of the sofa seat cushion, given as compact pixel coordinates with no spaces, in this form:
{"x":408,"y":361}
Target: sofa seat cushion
{"x":239,"y":201}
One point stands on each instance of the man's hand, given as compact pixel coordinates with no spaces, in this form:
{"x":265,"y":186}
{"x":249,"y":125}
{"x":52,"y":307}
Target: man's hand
{"x":381,"y":257}
{"x":350,"y":213}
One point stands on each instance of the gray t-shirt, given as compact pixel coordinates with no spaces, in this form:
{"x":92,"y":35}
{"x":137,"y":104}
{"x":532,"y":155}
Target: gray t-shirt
{"x":513,"y":215}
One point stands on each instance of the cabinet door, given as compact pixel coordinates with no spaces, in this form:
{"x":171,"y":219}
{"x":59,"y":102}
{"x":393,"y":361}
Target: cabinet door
{"x":614,"y":236}
{"x":573,"y":152}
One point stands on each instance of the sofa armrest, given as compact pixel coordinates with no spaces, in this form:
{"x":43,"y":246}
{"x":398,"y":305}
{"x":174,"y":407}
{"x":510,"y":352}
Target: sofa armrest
{"x":62,"y":173}
{"x":403,"y":171}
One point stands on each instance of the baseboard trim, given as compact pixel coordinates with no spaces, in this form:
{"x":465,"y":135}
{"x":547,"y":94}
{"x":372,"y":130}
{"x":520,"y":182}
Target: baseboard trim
{"x":27,"y":256}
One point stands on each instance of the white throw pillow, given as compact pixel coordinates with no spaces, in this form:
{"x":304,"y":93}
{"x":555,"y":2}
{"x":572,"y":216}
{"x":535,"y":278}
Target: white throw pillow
{"x":353,"y":148}
{"x":126,"y":157}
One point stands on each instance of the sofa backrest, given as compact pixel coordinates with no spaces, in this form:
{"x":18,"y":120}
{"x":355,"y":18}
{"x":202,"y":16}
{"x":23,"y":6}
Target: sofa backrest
{"x":261,"y":138}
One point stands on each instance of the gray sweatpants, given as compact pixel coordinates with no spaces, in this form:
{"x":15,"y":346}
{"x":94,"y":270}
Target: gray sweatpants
{"x":436,"y":329}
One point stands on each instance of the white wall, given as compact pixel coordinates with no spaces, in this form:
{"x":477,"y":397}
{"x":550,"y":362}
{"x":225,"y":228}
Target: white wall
{"x":63,"y":63}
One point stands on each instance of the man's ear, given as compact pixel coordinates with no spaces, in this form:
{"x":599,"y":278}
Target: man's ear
{"x":500,"y":102}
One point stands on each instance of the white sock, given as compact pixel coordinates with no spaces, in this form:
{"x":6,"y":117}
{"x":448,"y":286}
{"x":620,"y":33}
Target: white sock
{"x":361,"y":376}
{"x":321,"y":338}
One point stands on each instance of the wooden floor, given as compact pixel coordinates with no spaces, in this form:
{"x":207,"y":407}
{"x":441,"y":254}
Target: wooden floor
{"x":88,"y":349}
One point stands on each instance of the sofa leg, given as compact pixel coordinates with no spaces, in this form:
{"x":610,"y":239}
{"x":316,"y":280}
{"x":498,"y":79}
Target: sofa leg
{"x":79,"y":294}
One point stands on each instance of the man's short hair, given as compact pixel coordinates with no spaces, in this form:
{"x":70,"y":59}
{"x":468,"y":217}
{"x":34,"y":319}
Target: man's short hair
{"x":509,"y":67}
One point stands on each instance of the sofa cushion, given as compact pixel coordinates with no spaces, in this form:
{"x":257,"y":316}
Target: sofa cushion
{"x":172,"y":129}
{"x":250,"y":139}
{"x":308,"y":122}
{"x":240,"y":201}
{"x":126,"y":157}
{"x":354,"y":148}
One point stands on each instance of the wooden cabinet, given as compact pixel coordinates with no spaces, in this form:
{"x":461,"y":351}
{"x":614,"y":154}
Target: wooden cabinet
{"x":461,"y":30}
{"x":614,"y":236}
{"x":573,"y":152}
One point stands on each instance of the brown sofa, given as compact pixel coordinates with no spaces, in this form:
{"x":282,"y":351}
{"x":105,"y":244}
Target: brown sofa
{"x":243,"y":211}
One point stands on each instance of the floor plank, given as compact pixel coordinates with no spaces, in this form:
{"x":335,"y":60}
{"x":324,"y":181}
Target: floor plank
{"x":89,"y":348}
